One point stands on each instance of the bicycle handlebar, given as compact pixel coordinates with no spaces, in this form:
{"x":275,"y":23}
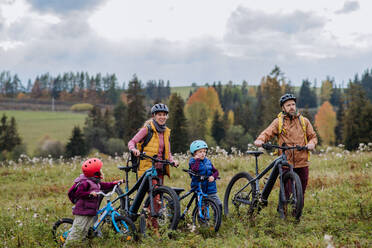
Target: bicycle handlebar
{"x":144,"y":156}
{"x":269,"y":146}
{"x":201,"y":178}
{"x":110,"y":193}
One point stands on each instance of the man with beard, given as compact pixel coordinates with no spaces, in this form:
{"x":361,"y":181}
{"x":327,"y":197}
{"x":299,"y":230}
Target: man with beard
{"x":292,"y":129}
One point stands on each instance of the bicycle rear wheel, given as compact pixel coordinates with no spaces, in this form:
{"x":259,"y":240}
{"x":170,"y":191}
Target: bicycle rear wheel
{"x":167,"y":208}
{"x":124,"y":226}
{"x":61,"y":229}
{"x":236,"y":200}
{"x":293,"y":204}
{"x":211,"y":215}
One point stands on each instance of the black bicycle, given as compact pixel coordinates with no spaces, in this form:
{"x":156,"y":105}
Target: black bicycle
{"x":161,"y":203}
{"x":243,"y":193}
{"x":206,"y":213}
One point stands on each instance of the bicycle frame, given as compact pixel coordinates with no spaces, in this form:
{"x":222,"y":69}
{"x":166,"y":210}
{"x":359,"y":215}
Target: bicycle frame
{"x":143,"y":185}
{"x":277,"y":166}
{"x":198,"y":196}
{"x":107,"y":210}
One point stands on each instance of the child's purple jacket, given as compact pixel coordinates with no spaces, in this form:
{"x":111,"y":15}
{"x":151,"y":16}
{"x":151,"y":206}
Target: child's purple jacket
{"x":87,"y":204}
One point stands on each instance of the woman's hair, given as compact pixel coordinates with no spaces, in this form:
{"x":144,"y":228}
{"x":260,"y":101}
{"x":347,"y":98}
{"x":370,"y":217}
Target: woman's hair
{"x":146,"y":123}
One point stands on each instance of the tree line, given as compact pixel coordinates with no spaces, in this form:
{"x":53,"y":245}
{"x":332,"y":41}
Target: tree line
{"x":76,"y":87}
{"x":230,"y":115}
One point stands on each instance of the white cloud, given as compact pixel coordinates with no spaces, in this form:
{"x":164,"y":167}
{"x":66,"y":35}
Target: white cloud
{"x":189,"y":41}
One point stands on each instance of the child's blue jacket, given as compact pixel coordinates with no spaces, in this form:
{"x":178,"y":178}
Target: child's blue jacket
{"x":204,"y":168}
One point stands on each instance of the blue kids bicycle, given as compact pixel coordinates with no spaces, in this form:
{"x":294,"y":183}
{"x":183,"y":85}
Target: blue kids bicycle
{"x":206,"y":213}
{"x":122,"y":225}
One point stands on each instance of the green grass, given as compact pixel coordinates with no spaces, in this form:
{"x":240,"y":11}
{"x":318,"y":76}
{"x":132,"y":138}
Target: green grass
{"x":338,"y":202}
{"x":183,"y":91}
{"x":34,"y":125}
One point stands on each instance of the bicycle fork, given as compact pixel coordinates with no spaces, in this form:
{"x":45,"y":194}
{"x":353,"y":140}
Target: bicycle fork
{"x":201,"y":208}
{"x":282,"y":194}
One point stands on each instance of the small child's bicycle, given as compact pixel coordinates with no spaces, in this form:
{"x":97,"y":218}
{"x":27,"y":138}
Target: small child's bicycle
{"x":122,"y":225}
{"x":206,"y":213}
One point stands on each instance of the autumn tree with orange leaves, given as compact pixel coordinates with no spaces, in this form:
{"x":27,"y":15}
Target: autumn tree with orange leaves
{"x":325,"y":122}
{"x":208,"y":96}
{"x":199,"y":110}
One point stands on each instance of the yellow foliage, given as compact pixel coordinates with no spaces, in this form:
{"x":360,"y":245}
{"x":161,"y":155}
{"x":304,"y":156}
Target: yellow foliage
{"x":22,"y":96}
{"x":326,"y":91}
{"x":230,"y":118}
{"x":325,"y":122}
{"x":81,"y":107}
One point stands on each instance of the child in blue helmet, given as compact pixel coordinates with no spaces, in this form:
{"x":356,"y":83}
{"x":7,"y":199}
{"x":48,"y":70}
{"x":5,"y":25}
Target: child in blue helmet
{"x":201,"y":165}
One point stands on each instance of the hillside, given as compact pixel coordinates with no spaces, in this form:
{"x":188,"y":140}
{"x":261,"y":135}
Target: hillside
{"x":34,"y":125}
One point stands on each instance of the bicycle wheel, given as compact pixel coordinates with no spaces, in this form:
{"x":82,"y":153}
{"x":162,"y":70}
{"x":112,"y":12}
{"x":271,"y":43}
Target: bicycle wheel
{"x":167,"y":207}
{"x":236,"y":200}
{"x":61,"y":229}
{"x":294,"y":196}
{"x":124,"y":226}
{"x":211,"y":216}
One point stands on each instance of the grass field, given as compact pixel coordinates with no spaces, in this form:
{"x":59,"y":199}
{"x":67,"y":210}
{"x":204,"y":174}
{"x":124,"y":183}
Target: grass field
{"x":183,"y":91}
{"x":34,"y":125}
{"x":338,"y":202}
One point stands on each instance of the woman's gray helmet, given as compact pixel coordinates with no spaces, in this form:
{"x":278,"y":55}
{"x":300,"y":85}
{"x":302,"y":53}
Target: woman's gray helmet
{"x":285,"y":98}
{"x":159,"y":107}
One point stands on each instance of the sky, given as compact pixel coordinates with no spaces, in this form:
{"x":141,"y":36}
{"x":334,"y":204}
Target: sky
{"x":187,"y":41}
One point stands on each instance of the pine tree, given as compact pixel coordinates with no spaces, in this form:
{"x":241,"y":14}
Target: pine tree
{"x":9,"y":137}
{"x":339,"y":117}
{"x":218,"y":130}
{"x":76,"y":145}
{"x":178,"y":124}
{"x":136,"y":109}
{"x":108,"y":124}
{"x":94,"y":130}
{"x":307,"y":97}
{"x":120,"y":115}
{"x":271,"y":93}
{"x":367,"y":83}
{"x":357,"y":120}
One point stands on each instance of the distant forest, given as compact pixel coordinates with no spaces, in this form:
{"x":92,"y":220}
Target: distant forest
{"x":229,"y":115}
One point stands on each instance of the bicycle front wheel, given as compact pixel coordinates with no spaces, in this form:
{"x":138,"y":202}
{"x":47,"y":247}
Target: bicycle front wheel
{"x":166,"y":207}
{"x":61,"y":229}
{"x":239,"y":196}
{"x":209,"y":217}
{"x":124,"y":226}
{"x":293,"y":204}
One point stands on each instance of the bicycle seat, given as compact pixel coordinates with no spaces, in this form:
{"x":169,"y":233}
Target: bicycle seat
{"x":255,"y":153}
{"x":178,"y":190}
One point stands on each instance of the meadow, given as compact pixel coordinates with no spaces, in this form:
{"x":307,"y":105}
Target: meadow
{"x":33,"y":126}
{"x":338,"y":203}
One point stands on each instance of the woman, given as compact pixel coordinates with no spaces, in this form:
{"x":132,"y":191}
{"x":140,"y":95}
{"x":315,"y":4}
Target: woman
{"x":153,"y":139}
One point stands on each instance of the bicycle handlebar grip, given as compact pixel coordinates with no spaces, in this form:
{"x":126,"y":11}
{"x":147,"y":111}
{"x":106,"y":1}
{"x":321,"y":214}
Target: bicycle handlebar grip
{"x":267,"y":146}
{"x":301,"y":148}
